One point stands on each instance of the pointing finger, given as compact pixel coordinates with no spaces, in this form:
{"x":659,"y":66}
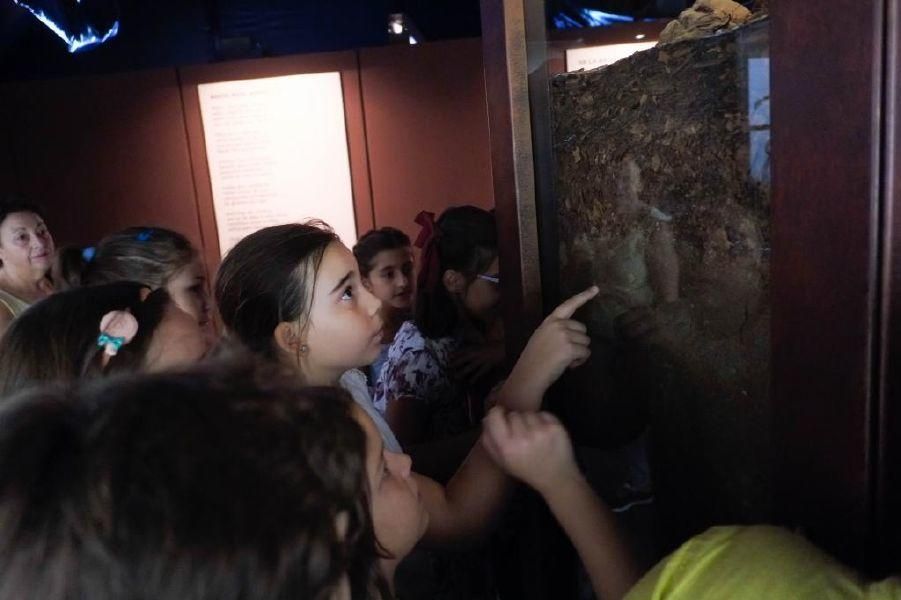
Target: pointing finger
{"x":569,"y":307}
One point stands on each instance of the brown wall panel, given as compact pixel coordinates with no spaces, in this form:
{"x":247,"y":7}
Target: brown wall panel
{"x":106,"y":152}
{"x":344,"y":62}
{"x":427,"y":129}
{"x":103,"y":153}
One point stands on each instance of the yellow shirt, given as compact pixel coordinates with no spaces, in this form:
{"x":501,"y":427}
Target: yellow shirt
{"x":755,"y":563}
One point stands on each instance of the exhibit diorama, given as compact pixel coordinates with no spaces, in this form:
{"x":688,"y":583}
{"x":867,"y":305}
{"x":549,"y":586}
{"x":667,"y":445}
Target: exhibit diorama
{"x":663,"y":198}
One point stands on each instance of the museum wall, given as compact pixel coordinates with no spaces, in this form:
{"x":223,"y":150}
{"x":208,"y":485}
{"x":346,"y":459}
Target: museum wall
{"x":427,"y":129}
{"x":105,"y":152}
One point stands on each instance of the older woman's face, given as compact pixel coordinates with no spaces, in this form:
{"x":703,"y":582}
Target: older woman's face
{"x":26,"y":245}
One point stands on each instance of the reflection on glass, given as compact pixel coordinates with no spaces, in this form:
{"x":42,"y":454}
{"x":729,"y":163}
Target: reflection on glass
{"x":663,"y":199}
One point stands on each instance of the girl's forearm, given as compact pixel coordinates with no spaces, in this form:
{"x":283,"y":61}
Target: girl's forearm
{"x":441,"y":459}
{"x":591,"y":527}
{"x":521,"y":392}
{"x":468,"y":506}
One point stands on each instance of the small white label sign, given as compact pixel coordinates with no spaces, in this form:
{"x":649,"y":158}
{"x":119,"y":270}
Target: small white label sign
{"x":599,"y":56}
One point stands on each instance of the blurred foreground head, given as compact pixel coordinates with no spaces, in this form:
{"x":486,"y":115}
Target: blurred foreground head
{"x":218,"y":483}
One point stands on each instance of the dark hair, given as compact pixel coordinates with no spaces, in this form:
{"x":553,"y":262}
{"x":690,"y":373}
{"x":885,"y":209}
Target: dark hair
{"x":375,"y":241}
{"x":465,"y":240}
{"x":267,"y":279}
{"x":11,"y":203}
{"x":56,"y":339}
{"x":208,"y":484}
{"x":146,"y":255}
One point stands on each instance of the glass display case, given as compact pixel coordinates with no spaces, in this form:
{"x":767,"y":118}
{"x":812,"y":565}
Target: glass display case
{"x":733,"y":353}
{"x":662,"y":189}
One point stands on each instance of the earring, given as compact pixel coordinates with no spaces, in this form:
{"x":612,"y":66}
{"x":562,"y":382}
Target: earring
{"x":304,"y":348}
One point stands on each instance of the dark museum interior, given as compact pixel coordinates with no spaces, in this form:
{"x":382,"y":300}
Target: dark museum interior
{"x":477,"y":299}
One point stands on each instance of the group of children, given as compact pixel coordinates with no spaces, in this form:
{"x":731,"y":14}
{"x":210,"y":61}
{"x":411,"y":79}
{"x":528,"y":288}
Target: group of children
{"x":140,"y":457}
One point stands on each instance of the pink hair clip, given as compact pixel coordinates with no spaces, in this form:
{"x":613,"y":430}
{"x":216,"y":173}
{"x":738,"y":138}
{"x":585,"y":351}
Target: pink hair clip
{"x":117,"y":328}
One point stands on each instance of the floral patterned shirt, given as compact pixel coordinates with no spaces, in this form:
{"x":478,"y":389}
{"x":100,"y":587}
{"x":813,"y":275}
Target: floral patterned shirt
{"x":419,"y":367}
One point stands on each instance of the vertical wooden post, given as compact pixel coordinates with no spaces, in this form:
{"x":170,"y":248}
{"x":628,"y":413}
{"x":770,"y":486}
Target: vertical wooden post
{"x":887,"y":517}
{"x":506,"y":87}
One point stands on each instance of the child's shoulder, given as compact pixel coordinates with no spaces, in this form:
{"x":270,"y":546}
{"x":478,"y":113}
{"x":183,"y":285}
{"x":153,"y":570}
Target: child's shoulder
{"x":408,"y":338}
{"x":352,"y":379}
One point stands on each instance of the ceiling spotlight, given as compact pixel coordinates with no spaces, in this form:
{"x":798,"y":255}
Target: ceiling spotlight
{"x":396,"y":24}
{"x":402,"y":30}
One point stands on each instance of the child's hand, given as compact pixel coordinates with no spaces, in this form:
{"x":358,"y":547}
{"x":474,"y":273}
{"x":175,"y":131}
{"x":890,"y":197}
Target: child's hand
{"x":560,"y":342}
{"x":533,"y":447}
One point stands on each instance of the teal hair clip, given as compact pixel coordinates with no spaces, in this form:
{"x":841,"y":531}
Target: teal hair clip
{"x":110,"y":344}
{"x":117,"y":328}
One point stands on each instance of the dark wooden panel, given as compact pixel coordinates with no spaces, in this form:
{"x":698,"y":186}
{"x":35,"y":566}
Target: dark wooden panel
{"x":103,"y":153}
{"x":542,"y":553}
{"x":344,"y":62}
{"x":427,"y":129}
{"x":825,"y":91}
{"x":888,"y":496}
{"x":9,"y":181}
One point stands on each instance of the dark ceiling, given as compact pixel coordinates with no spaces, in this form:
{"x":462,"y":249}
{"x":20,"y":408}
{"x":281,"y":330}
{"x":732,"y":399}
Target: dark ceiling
{"x":155,"y":33}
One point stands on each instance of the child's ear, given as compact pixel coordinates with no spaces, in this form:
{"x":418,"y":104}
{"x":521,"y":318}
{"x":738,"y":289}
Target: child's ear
{"x":287,"y":338}
{"x":454,"y":281}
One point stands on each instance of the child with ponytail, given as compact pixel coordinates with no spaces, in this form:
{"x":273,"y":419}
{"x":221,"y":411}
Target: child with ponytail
{"x":442,"y":363}
{"x":155,"y":257}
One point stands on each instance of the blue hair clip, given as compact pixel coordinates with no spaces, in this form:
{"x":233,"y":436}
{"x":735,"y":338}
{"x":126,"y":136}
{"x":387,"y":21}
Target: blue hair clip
{"x":88,"y":253}
{"x":110,"y":343}
{"x":144,"y":235}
